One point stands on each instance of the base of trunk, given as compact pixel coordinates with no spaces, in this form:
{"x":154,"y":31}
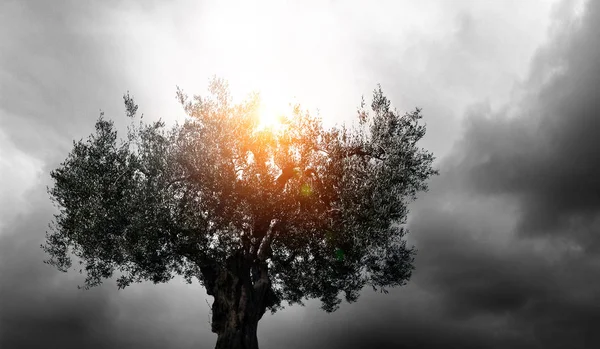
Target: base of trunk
{"x":238,"y":305}
{"x":238,"y":338}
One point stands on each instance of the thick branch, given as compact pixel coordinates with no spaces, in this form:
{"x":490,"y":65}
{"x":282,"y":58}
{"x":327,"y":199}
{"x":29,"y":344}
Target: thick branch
{"x":361,"y":152}
{"x":262,"y":279}
{"x":265,"y":244}
{"x":289,"y":172}
{"x":286,"y":173}
{"x":356,"y":151}
{"x":209,"y":273}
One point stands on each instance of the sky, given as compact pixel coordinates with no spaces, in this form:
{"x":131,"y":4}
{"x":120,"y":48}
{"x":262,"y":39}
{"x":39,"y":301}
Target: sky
{"x":507,"y":236}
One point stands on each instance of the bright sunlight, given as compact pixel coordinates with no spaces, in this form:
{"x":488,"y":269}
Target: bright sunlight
{"x":273,"y":111}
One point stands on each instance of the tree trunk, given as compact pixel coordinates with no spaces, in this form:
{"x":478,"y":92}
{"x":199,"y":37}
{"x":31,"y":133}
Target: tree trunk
{"x":240,"y":300}
{"x":238,"y":338}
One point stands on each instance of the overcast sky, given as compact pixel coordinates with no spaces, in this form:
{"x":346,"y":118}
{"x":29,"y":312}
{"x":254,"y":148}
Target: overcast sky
{"x":508,"y":235}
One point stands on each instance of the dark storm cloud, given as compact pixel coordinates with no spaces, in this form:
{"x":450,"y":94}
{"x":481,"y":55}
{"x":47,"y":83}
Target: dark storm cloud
{"x":58,"y":66}
{"x":42,"y":308}
{"x":474,"y":51}
{"x":475,"y":277}
{"x":478,"y":284}
{"x":35,"y":307}
{"x":508,"y":234}
{"x":533,"y":164}
{"x":548,"y":156}
{"x":536,"y":159}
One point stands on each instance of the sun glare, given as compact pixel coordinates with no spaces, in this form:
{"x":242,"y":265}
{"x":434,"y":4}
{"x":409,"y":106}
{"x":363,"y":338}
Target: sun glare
{"x":272,"y":113}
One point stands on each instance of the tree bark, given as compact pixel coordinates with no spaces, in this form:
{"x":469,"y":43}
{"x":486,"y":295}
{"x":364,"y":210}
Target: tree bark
{"x":242,"y":292}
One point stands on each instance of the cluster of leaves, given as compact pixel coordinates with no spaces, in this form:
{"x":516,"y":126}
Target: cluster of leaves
{"x":168,"y":201}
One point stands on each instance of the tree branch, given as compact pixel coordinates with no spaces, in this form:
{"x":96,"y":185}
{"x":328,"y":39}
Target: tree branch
{"x":355,"y":151}
{"x":286,"y":173}
{"x":361,"y":152}
{"x":265,"y":244}
{"x":119,"y":177}
{"x":321,"y":150}
{"x":173,"y":181}
{"x":209,"y":273}
{"x":262,"y":285}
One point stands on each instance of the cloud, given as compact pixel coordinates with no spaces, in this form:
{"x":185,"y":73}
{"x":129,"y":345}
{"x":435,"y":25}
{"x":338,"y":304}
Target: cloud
{"x":507,"y":236}
{"x":19,"y":172}
{"x":61,"y":63}
{"x":52,"y":70}
{"x":547,"y":156}
{"x":42,"y":308}
{"x":509,"y":230}
{"x":467,"y":52}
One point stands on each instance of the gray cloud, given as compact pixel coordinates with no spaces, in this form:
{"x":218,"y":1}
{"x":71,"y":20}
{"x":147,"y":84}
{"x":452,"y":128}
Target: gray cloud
{"x":60,"y":64}
{"x":54,"y":71}
{"x":509,"y":231}
{"x":472,"y":52}
{"x":548,"y":156}
{"x":42,"y":308}
{"x":507,"y":236}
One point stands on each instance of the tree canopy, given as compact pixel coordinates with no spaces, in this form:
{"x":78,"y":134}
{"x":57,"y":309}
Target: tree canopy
{"x":312,"y":212}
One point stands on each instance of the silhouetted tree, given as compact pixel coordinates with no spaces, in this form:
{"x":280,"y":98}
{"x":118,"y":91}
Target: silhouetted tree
{"x":258,"y":215}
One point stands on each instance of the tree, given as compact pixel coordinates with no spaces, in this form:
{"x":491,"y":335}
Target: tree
{"x":259,"y":216}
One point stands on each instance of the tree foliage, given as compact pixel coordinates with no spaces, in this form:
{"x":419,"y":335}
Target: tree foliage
{"x":313,"y":212}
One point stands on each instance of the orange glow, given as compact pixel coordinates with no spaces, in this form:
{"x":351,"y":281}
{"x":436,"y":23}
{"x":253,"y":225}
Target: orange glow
{"x":273,"y":111}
